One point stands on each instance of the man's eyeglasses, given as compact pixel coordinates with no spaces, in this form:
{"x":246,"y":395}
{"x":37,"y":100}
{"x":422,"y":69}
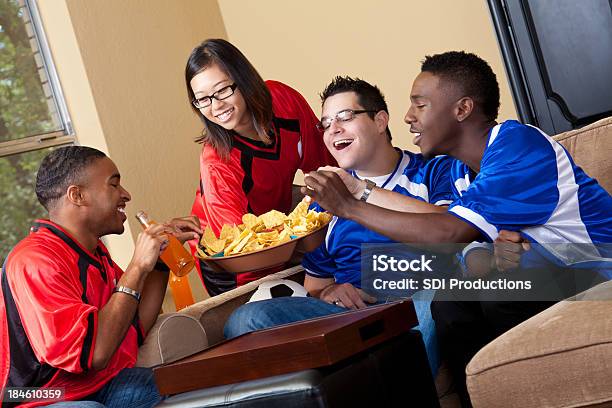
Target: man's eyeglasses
{"x":221,"y":94}
{"x":342,"y":116}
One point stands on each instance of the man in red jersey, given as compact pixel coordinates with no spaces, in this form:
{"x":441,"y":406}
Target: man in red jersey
{"x":70,"y":318}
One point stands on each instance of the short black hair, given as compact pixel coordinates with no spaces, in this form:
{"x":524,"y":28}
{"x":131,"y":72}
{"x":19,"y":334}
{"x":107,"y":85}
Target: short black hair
{"x":471,"y":73}
{"x":61,"y":168}
{"x":368,"y":95}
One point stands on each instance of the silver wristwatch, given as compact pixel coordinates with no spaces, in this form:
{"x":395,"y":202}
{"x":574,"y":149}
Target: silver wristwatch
{"x":367,"y":190}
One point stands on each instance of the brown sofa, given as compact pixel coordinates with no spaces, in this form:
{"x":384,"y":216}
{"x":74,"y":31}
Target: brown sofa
{"x":561,"y":357}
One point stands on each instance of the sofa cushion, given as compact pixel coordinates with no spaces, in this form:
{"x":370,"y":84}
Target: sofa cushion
{"x":174,"y":336}
{"x":591,"y":149}
{"x":561,"y":357}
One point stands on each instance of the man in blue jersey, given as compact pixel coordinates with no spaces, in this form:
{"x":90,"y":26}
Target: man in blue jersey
{"x":511,"y":177}
{"x":354,"y":121}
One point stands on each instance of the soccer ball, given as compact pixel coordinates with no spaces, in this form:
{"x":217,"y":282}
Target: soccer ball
{"x":278,"y":288}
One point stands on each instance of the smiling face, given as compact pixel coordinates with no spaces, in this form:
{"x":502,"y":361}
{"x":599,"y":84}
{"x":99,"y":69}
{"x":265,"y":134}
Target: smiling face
{"x":230,"y":113}
{"x":432,"y":115}
{"x":104,"y":198}
{"x":352,"y":143}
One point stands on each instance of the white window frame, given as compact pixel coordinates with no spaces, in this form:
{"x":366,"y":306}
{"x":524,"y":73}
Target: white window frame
{"x":63,"y":136}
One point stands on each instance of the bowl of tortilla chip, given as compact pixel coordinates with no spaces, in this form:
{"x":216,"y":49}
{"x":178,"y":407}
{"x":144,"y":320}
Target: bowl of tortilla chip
{"x":263,"y":242}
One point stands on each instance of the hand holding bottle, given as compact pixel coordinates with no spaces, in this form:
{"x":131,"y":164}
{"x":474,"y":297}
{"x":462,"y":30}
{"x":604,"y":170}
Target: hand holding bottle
{"x":174,"y":255}
{"x":148,"y":246}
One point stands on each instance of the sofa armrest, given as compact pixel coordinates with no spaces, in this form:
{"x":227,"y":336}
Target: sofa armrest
{"x":199,"y":326}
{"x":561,"y":357}
{"x":174,"y":336}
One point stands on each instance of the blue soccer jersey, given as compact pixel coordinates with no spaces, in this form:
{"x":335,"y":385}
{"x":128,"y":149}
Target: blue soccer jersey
{"x":340,"y":256}
{"x":529,"y":183}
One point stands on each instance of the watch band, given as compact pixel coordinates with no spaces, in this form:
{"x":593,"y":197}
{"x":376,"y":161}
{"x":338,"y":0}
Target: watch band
{"x":367,"y":190}
{"x":127,"y":291}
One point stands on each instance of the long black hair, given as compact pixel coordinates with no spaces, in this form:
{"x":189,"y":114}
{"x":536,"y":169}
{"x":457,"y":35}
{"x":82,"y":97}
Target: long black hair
{"x":251,"y":85}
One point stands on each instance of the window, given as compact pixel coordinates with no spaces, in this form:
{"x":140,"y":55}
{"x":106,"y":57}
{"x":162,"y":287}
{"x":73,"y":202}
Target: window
{"x":33,"y":117}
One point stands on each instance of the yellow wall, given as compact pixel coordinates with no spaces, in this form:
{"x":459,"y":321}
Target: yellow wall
{"x":134,"y":53}
{"x":121,"y":66}
{"x":306,"y":43}
{"x":79,"y":98}
{"x":121,"y":62}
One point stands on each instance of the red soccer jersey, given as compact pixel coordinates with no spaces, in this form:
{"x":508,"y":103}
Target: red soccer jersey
{"x":257,"y":177}
{"x":52,"y":289}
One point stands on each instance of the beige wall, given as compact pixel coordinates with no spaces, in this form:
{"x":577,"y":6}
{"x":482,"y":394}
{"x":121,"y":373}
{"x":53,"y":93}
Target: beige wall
{"x":121,"y":66}
{"x":79,"y":97}
{"x":121,"y":62}
{"x":134,"y":54}
{"x":306,"y":43}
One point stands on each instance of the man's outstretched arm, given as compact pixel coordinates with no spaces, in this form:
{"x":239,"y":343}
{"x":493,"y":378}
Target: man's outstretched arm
{"x":412,"y":227}
{"x":327,"y":189}
{"x":382,"y":197}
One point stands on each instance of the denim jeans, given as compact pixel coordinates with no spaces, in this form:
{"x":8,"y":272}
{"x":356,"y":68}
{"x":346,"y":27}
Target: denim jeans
{"x":273,"y":312}
{"x":132,"y":387}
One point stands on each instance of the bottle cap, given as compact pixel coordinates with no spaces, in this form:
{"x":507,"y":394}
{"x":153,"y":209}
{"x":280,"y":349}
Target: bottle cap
{"x":143,"y":218}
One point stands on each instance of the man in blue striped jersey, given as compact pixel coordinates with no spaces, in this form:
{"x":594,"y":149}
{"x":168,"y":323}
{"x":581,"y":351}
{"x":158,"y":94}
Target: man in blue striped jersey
{"x":361,"y":144}
{"x":511,"y":177}
{"x":354,"y":124}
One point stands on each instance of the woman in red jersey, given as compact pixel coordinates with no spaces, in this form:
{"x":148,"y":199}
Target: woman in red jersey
{"x":256,"y":136}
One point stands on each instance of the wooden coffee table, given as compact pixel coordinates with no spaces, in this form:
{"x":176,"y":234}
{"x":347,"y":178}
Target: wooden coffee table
{"x":293,"y":347}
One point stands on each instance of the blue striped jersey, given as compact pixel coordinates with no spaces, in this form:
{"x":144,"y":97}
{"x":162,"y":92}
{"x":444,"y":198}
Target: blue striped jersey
{"x":529,"y":183}
{"x":339,"y":257}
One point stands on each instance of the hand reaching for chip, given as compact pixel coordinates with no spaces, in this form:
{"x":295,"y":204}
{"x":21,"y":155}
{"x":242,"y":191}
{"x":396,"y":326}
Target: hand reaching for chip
{"x":329,"y":191}
{"x":255,"y":233}
{"x":354,"y":185}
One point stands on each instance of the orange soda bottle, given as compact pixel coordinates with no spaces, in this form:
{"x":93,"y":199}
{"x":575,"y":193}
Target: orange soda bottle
{"x":180,"y":262}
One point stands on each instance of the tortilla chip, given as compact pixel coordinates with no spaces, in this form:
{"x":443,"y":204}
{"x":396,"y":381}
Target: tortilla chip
{"x":250,"y":220}
{"x":272,"y":218}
